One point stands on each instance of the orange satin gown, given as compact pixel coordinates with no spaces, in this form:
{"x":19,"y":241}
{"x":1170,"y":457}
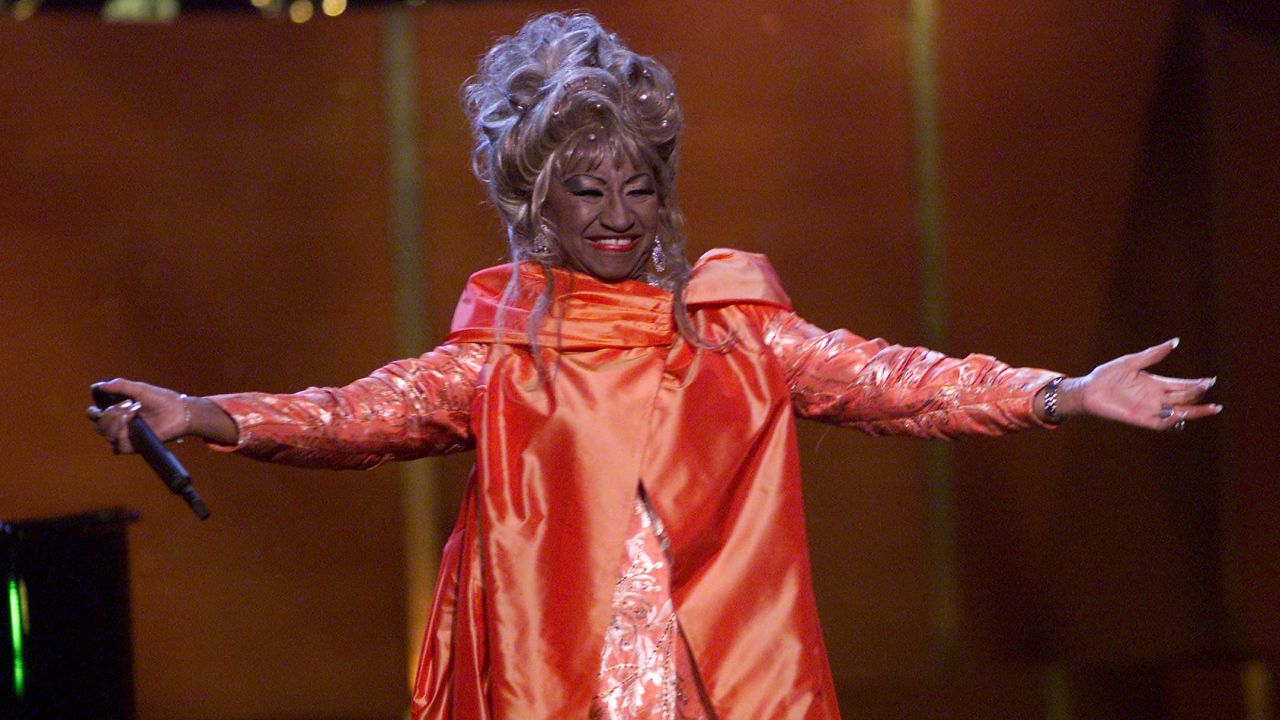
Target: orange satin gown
{"x":524,"y":595}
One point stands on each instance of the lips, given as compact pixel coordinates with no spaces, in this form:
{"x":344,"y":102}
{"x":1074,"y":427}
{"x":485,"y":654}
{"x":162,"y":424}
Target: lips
{"x":614,"y":244}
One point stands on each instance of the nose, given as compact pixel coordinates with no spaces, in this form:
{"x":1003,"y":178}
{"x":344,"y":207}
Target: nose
{"x":616,"y":216}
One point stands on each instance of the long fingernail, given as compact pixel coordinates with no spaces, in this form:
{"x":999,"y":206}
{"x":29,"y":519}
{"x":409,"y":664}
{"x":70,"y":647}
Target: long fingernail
{"x":1208,"y":382}
{"x":1174,"y":342}
{"x":1217,"y":409}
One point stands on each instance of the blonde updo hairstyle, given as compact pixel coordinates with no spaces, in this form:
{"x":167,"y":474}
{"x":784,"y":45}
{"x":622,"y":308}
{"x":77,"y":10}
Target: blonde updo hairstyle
{"x":563,"y":93}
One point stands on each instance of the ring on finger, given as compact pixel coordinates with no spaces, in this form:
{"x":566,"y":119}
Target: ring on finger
{"x":1178,"y":426}
{"x":1166,"y":411}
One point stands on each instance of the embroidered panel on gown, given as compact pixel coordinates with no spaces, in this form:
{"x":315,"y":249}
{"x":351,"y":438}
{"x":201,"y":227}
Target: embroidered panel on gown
{"x":646,"y":671}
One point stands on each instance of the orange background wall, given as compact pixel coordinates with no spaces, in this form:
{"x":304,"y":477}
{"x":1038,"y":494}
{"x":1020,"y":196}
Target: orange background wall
{"x":205,"y":205}
{"x":202,"y":206}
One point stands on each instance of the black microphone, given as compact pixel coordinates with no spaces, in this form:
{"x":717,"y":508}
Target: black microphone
{"x":156,"y":454}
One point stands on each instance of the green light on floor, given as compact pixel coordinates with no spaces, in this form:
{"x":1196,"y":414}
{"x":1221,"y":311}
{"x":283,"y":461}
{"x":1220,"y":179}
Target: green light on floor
{"x":15,"y":631}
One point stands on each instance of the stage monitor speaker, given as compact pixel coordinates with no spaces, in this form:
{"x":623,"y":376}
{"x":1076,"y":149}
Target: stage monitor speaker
{"x":66,"y":650}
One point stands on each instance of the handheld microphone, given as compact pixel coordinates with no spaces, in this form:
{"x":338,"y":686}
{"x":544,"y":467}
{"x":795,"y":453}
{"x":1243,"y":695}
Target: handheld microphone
{"x":156,"y":454}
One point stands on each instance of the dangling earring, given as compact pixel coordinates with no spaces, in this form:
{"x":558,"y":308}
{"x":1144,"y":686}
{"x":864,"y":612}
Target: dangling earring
{"x":659,"y":256}
{"x":541,"y":245}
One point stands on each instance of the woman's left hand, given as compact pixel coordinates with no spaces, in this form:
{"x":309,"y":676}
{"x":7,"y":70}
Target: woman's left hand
{"x":1122,"y":390}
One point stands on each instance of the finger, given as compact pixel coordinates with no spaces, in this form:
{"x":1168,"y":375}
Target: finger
{"x":108,"y":422}
{"x":1187,"y":394}
{"x":1153,"y":354}
{"x":112,"y":415}
{"x":1173,"y":383}
{"x":117,"y":425}
{"x":94,"y":412}
{"x":111,"y":386}
{"x":121,"y":386}
{"x":1187,"y":413}
{"x":123,"y":442}
{"x":1183,"y":397}
{"x":119,"y":404}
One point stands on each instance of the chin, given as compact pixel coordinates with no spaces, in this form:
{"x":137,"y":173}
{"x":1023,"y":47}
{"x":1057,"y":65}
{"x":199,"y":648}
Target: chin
{"x":612,"y":270}
{"x":615,"y":277}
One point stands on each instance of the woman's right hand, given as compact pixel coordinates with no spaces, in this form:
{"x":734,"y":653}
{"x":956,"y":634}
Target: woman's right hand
{"x":167,"y":412}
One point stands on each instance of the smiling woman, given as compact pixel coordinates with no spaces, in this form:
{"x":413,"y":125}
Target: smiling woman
{"x":562,"y":97}
{"x":632,"y":541}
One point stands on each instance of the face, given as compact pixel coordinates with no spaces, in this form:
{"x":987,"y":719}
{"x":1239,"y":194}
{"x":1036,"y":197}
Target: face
{"x":605,"y":218}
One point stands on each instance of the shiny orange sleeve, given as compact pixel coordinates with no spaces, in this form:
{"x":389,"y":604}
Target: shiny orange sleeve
{"x":407,"y":409}
{"x":884,"y":389}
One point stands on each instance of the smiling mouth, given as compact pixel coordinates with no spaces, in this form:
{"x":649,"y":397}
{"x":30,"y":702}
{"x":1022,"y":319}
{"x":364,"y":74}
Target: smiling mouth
{"x":614,"y":244}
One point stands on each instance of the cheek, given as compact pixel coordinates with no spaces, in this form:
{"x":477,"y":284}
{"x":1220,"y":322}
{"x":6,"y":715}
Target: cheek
{"x":566,"y":216}
{"x":652,"y":217}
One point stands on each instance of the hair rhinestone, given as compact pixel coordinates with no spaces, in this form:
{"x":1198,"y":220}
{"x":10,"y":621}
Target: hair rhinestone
{"x":643,"y":97}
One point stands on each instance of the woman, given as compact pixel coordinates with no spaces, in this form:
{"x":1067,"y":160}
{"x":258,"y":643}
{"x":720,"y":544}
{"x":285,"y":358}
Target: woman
{"x":631,"y":543}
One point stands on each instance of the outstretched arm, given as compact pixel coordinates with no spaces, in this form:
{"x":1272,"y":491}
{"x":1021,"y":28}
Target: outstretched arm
{"x":880,"y":388}
{"x":883,"y":389}
{"x":407,"y":409}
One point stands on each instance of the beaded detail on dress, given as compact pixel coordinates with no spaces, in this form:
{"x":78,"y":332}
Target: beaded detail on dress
{"x":645,"y":670}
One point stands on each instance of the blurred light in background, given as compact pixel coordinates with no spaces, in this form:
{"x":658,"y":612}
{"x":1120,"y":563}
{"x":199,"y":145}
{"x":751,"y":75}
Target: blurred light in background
{"x":1256,"y":677}
{"x":17,"y":631}
{"x":165,"y":11}
{"x":154,"y":11}
{"x":301,"y":11}
{"x":23,"y":9}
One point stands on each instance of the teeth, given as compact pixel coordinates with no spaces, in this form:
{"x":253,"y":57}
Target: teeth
{"x":614,"y":241}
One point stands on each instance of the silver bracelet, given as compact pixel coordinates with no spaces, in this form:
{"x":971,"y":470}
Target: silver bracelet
{"x":186,"y":415}
{"x":1051,"y":415}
